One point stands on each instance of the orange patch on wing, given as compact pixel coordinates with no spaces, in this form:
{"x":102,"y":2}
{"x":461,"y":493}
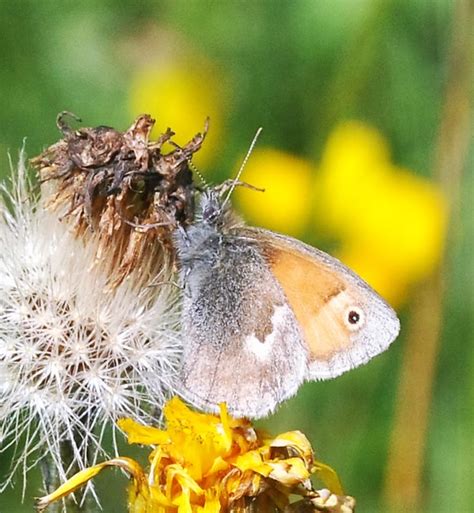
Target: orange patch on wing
{"x":317,"y":296}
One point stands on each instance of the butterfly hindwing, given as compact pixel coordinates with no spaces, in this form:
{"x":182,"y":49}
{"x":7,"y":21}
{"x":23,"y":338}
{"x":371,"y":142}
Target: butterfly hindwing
{"x":242,"y":344}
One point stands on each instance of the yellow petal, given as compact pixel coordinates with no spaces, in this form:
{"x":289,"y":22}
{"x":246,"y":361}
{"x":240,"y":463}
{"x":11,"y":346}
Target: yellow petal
{"x":159,"y":498}
{"x":329,"y":477}
{"x":211,"y":503}
{"x":140,"y":434}
{"x":218,"y":465}
{"x":197,"y":439}
{"x":177,"y":474}
{"x":224,"y":415}
{"x":79,"y":479}
{"x":183,"y":501}
{"x":70,"y":486}
{"x":253,"y":460}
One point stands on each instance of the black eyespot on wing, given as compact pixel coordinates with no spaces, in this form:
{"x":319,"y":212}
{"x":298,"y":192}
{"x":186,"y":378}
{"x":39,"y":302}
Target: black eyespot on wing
{"x":353,"y":317}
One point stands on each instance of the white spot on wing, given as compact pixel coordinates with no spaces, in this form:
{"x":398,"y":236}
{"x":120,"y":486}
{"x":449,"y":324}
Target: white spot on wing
{"x":262,"y":349}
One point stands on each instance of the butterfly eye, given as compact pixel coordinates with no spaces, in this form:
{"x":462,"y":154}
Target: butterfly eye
{"x":211,"y":210}
{"x":209,"y":214}
{"x":354,"y":318}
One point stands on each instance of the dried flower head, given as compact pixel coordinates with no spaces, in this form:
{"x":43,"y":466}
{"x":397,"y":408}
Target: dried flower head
{"x":88,"y":313}
{"x":208,"y":463}
{"x":121,"y":190}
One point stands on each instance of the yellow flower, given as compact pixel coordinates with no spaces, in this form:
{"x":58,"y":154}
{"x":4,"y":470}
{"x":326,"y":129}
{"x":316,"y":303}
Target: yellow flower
{"x":390,"y":222}
{"x":354,"y":164}
{"x":208,"y":463}
{"x":181,"y":96}
{"x":287,"y":180}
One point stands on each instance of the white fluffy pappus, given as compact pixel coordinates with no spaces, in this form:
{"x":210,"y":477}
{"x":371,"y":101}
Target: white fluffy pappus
{"x":74,"y":354}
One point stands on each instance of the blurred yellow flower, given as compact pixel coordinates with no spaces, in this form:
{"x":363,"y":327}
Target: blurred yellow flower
{"x":287,"y":180}
{"x":390,"y":222}
{"x":208,"y":463}
{"x":181,"y":96}
{"x":354,"y":165}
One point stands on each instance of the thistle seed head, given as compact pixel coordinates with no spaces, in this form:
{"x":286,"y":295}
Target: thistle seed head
{"x":88,"y":311}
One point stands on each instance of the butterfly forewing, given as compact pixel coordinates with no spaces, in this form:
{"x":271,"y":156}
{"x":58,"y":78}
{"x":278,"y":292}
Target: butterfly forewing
{"x":344,"y":322}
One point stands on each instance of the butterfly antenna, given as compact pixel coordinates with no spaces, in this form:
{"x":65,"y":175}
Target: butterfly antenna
{"x":194,"y":169}
{"x":244,"y":163}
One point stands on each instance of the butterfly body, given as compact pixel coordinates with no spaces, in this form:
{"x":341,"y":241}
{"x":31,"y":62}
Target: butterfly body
{"x":263,"y":312}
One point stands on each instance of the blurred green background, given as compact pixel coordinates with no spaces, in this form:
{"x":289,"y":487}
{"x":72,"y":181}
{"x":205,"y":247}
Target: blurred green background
{"x":399,"y":72}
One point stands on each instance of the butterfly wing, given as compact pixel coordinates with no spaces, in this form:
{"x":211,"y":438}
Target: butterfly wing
{"x":343,"y":321}
{"x":242,"y":344}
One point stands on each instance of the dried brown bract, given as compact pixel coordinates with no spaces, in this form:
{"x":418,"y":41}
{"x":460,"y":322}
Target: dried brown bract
{"x":323,"y":500}
{"x":120,"y":188}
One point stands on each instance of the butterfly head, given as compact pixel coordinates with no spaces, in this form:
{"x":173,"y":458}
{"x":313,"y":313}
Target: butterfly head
{"x":210,"y":207}
{"x":213,"y":211}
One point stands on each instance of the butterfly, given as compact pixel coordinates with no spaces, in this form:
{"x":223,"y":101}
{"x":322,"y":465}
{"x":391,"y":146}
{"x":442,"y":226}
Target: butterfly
{"x":263,"y":312}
